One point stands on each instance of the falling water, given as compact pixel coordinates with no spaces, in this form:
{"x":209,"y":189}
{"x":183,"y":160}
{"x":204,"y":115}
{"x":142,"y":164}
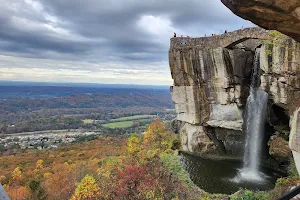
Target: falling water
{"x":254,"y":119}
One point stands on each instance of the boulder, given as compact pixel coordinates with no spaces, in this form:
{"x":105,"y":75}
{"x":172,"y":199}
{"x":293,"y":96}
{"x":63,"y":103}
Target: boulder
{"x":280,"y":15}
{"x":279,"y":149}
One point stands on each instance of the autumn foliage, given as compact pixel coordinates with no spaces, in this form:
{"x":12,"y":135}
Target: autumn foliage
{"x":108,"y":168}
{"x":135,"y":183}
{"x":86,"y":189}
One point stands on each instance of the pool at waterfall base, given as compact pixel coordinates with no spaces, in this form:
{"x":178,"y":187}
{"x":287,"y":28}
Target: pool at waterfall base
{"x":224,"y":176}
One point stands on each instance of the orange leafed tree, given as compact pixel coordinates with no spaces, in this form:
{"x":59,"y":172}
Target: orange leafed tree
{"x":60,"y":184}
{"x":17,"y":193}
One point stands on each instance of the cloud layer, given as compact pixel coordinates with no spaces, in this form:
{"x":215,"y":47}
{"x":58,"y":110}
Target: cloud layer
{"x":116,"y":41}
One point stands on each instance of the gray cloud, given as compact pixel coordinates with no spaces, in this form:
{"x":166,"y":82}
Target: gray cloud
{"x":120,"y":34}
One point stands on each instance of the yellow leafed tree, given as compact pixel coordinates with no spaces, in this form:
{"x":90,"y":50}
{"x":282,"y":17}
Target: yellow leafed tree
{"x":157,"y":136}
{"x":39,"y":164}
{"x":86,"y":189}
{"x":17,"y":175}
{"x":134,"y":144}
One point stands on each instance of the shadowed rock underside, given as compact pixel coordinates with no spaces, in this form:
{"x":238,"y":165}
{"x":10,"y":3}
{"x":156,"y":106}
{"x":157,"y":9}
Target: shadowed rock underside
{"x":281,"y":15}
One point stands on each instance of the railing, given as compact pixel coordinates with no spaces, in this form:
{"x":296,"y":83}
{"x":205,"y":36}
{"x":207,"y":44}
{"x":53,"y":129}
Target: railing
{"x":289,"y":195}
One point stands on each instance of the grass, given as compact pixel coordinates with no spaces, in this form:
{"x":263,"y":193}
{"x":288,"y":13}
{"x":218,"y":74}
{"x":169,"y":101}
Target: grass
{"x":172,"y":110}
{"x":135,"y":117}
{"x":88,"y":121}
{"x":172,"y":163}
{"x":125,"y":122}
{"x":122,"y":124}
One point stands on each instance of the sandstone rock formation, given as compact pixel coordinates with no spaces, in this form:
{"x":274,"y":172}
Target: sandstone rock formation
{"x":280,"y":15}
{"x":211,"y":84}
{"x":283,"y":82}
{"x":294,"y":142}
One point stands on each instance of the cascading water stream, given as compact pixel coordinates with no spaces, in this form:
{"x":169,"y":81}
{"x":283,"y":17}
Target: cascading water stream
{"x":254,"y":125}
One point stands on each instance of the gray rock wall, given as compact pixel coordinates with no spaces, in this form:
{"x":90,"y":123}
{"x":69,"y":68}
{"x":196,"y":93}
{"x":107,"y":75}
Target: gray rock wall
{"x":211,"y":84}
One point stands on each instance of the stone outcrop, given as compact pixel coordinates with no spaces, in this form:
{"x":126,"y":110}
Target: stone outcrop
{"x":294,"y":142}
{"x":211,"y":85}
{"x":280,"y":15}
{"x":225,"y":40}
{"x":279,"y":149}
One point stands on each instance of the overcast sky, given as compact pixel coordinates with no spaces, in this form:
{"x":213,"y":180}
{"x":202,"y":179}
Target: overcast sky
{"x":101,"y":41}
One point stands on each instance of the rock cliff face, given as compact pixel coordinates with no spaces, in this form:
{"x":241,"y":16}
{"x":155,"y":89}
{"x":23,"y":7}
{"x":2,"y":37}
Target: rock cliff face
{"x":280,"y":15}
{"x":294,"y":142}
{"x":211,"y":85}
{"x":282,"y":76}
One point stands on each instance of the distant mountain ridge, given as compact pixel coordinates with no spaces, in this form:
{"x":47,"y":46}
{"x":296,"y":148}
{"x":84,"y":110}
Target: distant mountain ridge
{"x":8,"y":92}
{"x":93,"y":85}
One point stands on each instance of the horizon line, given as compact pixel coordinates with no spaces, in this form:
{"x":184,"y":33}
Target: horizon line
{"x":78,"y":83}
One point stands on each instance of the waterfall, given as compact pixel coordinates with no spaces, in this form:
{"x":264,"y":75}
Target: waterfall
{"x":254,"y":125}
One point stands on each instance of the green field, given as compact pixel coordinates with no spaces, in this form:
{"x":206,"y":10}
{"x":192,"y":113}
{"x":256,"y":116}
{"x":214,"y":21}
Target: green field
{"x":123,"y":124}
{"x":172,"y":110}
{"x":135,"y":117}
{"x":88,"y":121}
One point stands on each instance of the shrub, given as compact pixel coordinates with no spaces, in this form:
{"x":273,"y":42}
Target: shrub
{"x":248,"y":195}
{"x":135,"y":183}
{"x":282,"y":182}
{"x":86,"y":189}
{"x":292,"y":170}
{"x":172,"y":163}
{"x":134,"y":144}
